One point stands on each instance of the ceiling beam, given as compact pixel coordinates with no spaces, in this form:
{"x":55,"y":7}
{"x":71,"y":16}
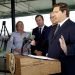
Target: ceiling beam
{"x":3,"y":12}
{"x":5,"y":5}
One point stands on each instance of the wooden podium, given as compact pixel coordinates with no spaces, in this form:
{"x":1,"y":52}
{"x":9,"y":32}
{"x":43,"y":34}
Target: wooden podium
{"x":30,"y":66}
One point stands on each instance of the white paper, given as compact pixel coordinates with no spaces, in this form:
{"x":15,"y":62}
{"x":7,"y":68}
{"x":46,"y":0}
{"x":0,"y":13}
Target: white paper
{"x":41,"y":57}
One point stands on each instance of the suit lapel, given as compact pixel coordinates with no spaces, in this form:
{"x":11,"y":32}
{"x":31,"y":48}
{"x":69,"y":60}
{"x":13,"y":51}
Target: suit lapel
{"x":51,"y":34}
{"x":59,"y":32}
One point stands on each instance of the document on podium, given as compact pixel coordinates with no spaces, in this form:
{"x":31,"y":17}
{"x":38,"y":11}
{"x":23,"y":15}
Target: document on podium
{"x":41,"y":57}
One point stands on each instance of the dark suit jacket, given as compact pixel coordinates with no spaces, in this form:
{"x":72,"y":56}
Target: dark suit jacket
{"x":41,"y":40}
{"x":51,"y":31}
{"x":55,"y":51}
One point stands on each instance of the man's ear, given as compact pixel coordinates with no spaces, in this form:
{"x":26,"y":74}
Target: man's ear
{"x":64,"y":12}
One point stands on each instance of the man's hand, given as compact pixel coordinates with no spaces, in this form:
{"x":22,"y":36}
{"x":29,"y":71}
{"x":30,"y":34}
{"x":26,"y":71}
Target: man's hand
{"x":17,"y":50}
{"x":63,"y":44}
{"x":33,"y":43}
{"x":38,"y":53}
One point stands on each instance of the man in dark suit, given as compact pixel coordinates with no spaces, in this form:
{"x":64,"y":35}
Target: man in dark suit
{"x":52,"y":27}
{"x":62,"y":45}
{"x":40,"y":47}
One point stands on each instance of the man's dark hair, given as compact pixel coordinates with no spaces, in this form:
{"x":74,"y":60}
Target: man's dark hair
{"x":39,"y":16}
{"x":62,"y":7}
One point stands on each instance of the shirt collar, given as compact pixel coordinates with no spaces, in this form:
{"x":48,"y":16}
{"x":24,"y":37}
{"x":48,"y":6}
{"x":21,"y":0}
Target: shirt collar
{"x":42,"y":27}
{"x":61,"y":23}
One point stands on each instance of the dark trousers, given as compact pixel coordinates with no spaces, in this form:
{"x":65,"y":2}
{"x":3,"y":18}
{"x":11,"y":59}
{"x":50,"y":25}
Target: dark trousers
{"x":68,"y":66}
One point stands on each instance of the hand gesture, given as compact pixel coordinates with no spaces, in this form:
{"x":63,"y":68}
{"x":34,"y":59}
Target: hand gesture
{"x":63,"y":44}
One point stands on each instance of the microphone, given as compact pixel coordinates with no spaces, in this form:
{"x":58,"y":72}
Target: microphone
{"x":32,"y":37}
{"x":27,"y":44}
{"x":24,"y":42}
{"x":32,"y":40}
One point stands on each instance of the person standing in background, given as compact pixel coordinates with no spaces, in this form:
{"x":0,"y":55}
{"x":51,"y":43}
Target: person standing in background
{"x":16,"y":40}
{"x":40,"y":33}
{"x":62,"y":45}
{"x":52,"y":27}
{"x":53,"y":19}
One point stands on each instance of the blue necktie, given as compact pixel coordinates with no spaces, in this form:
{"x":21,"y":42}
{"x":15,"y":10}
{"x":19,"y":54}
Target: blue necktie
{"x":57,"y":28}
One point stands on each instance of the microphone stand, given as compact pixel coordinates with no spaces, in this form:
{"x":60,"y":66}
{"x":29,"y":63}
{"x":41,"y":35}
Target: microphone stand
{"x":24,"y":42}
{"x":26,"y":45}
{"x":4,"y":40}
{"x":4,"y":44}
